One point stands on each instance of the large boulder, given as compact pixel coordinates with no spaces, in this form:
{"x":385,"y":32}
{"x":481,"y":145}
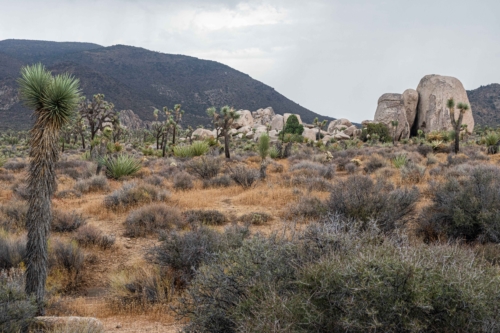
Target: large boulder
{"x":277,"y":122}
{"x":341,"y":136}
{"x":410,"y":101}
{"x":203,"y":134}
{"x":244,"y":129}
{"x":263,"y":116}
{"x":339,"y":122}
{"x":434,"y":92}
{"x":391,"y":107}
{"x":245,"y":119}
{"x":310,"y":134}
{"x":286,"y":115}
{"x":259,"y":131}
{"x":350,"y":130}
{"x":130,"y":120}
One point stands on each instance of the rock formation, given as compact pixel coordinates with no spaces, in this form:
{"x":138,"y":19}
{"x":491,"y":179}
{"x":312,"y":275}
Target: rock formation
{"x":391,"y":107}
{"x":202,"y":134}
{"x":130,"y":120}
{"x":432,"y":113}
{"x":410,"y":101}
{"x":245,"y":119}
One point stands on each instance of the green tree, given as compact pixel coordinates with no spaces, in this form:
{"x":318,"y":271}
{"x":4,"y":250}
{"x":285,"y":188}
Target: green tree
{"x":319,"y":125}
{"x":223,"y":120}
{"x":463,"y":107}
{"x":97,"y":112}
{"x":293,"y":126}
{"x":53,"y":99}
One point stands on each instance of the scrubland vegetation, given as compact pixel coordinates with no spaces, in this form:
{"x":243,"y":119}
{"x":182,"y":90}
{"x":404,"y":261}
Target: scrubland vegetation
{"x":347,"y":236}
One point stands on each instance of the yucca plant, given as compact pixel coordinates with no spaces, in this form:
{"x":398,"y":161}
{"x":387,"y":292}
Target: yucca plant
{"x":491,"y":141}
{"x":199,"y":148}
{"x":121,"y":165}
{"x":400,"y":161}
{"x":182,"y":151}
{"x":53,"y":99}
{"x":3,"y":160}
{"x":274,"y":152}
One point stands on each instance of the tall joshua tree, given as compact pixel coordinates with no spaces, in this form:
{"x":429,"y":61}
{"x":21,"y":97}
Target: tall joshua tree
{"x":223,"y":120}
{"x":463,"y":107}
{"x":53,"y":99}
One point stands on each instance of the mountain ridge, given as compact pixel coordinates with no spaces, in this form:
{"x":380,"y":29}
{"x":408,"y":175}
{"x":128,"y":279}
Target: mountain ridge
{"x":138,"y":79}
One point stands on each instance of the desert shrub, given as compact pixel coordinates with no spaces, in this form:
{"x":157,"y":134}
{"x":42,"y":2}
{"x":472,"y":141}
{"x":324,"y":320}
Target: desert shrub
{"x":326,"y":171}
{"x":183,"y":181}
{"x":431,"y":159}
{"x":68,"y":257}
{"x":221,"y":181}
{"x":132,"y":194}
{"x":17,"y":310}
{"x":154,"y":180}
{"x":66,"y":222}
{"x":334,"y":278}
{"x":182,"y":254}
{"x":491,"y":141}
{"x":89,"y":235}
{"x":243,"y":176}
{"x":312,"y":183}
{"x":20,"y":190}
{"x":13,"y":215}
{"x":93,"y":184}
{"x":255,"y":218}
{"x":141,"y":286}
{"x":68,"y":194}
{"x":274,"y":152}
{"x":465,"y":207}
{"x":208,"y":217}
{"x":152,"y":218}
{"x":12,"y":250}
{"x":204,"y":167}
{"x":457,"y":159}
{"x":360,"y":198}
{"x":351,"y":168}
{"x":5,"y":177}
{"x":14,"y":165}
{"x":374,"y":162}
{"x":379,"y":130}
{"x":121,"y":165}
{"x":412,"y":173}
{"x":424,"y":149}
{"x":308,"y":207}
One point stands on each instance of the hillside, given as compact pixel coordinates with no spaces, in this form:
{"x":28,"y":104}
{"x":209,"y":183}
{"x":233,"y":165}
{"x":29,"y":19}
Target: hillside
{"x":485,"y":103}
{"x":138,"y":79}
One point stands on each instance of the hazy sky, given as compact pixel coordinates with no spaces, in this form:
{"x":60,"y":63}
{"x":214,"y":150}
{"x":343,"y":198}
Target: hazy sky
{"x":335,"y":57}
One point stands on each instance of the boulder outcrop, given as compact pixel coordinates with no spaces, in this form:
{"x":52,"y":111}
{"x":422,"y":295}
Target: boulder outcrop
{"x":434,"y":92}
{"x":342,"y":122}
{"x":391,"y":107}
{"x":245,"y":119}
{"x":130,"y":120}
{"x":203,"y":134}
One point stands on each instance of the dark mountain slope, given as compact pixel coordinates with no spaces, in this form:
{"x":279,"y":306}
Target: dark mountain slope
{"x":485,"y":103}
{"x":138,"y":79}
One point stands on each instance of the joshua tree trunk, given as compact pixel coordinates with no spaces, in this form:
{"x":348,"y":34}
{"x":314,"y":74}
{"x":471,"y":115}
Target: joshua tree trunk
{"x":226,"y":143}
{"x":173,"y":137}
{"x":83,"y":141}
{"x":41,"y":185}
{"x":456,"y":126}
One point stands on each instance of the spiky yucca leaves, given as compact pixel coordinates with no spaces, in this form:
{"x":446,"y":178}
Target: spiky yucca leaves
{"x":121,"y":165}
{"x":53,"y":99}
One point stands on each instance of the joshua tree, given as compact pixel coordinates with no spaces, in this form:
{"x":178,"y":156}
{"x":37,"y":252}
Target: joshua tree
{"x":394,"y":124}
{"x":263,"y":152}
{"x":223,"y":120}
{"x":157,"y":128}
{"x":175,"y":117}
{"x":463,"y":107}
{"x":53,"y":99}
{"x":320,"y":125}
{"x":97,"y":112}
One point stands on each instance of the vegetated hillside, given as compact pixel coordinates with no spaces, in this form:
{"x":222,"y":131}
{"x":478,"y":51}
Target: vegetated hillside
{"x":138,"y":79}
{"x":485,"y":103}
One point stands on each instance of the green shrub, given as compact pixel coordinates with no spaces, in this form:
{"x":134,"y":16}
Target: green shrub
{"x":263,"y":147}
{"x":121,"y":165}
{"x":274,"y":152}
{"x":491,"y":141}
{"x":380,"y":130}
{"x":465,"y":206}
{"x":3,"y":160}
{"x":197,"y":148}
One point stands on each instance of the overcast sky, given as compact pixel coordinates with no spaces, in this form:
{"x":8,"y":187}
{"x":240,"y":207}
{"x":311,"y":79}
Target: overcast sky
{"x":334,"y":57}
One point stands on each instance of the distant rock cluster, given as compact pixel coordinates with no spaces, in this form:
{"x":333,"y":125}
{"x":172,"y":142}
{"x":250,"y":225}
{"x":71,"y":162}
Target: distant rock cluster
{"x":425,"y":108}
{"x":252,"y":125}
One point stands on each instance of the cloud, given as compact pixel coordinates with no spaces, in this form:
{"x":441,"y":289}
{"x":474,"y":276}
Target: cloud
{"x":335,"y":57}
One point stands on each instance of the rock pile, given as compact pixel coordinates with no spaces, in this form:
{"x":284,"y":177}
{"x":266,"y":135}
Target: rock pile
{"x":423,"y":109}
